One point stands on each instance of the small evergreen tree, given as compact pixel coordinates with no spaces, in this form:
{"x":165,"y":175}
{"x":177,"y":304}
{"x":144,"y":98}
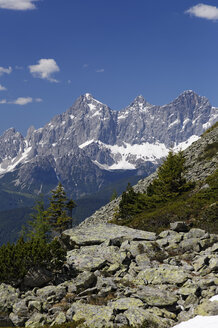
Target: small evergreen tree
{"x":37,"y":226}
{"x":127,"y":202}
{"x":59,"y":212}
{"x":114,"y":195}
{"x":170,"y":181}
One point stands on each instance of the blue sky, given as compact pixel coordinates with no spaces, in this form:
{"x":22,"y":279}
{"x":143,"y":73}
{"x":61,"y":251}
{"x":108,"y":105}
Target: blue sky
{"x":52,"y":51}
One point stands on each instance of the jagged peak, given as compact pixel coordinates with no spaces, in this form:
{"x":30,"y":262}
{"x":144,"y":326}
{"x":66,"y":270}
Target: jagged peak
{"x":190,"y":94}
{"x":139,"y":101}
{"x":88,"y":96}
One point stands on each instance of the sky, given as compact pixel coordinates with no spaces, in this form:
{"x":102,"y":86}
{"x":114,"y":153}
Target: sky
{"x":53,"y":51}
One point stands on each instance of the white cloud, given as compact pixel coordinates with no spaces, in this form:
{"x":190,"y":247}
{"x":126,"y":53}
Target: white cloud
{"x":38,"y":100}
{"x":18,"y":4}
{"x":22,"y":101}
{"x":100,"y":70}
{"x":203,"y":11}
{"x":2,"y":88}
{"x":85,"y":65}
{"x":4,"y":70}
{"x":44,"y":69}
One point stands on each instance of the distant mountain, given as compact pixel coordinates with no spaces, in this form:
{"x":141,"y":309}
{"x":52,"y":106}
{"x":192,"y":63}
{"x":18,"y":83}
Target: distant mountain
{"x":90,"y":144}
{"x":93,"y":150}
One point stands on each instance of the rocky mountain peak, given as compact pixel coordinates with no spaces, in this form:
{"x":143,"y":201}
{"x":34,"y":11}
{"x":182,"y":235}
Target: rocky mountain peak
{"x":190,"y":99}
{"x":139,"y":102}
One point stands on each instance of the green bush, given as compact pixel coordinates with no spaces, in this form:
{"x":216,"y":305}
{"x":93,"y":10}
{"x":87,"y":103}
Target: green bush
{"x":17,"y":259}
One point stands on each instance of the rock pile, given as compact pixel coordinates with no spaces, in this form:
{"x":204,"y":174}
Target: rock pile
{"x":122,"y":276}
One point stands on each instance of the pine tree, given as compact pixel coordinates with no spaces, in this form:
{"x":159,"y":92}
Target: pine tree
{"x":38,"y":227}
{"x":114,"y":195}
{"x":128,"y":200}
{"x":170,"y":181}
{"x":59,"y":212}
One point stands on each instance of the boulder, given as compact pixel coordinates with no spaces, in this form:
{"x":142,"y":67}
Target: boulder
{"x":154,"y":296}
{"x":164,"y":274}
{"x":37,"y":277}
{"x":179,"y":226}
{"x":86,"y":235}
{"x":93,"y":316}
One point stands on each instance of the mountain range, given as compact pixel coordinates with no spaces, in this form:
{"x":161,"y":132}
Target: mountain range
{"x":91,"y":147}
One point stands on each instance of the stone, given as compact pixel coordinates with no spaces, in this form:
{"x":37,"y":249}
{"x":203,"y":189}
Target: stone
{"x":8,"y":296}
{"x":35,"y":321}
{"x":37,"y":277}
{"x":213,"y":264}
{"x":200,"y":262}
{"x":195,"y":233}
{"x":154,"y":296}
{"x":207,"y":308}
{"x":85,"y":236}
{"x":70,"y":313}
{"x":93,"y":316}
{"x":179,"y":226}
{"x":164,"y":274}
{"x":60,"y":319}
{"x":35,"y":305}
{"x":126,"y":303}
{"x":121,"y":319}
{"x":190,"y":245}
{"x":56,"y":292}
{"x":85,"y":280}
{"x":138,"y":316}
{"x":16,"y":320}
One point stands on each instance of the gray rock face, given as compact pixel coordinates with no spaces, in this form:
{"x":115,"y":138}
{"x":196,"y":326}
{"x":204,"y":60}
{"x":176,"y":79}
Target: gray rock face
{"x":120,"y":281}
{"x":82,"y":145}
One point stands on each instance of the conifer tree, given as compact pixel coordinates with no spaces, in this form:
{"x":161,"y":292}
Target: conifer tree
{"x":38,"y":227}
{"x":114,"y":195}
{"x":59,"y":212}
{"x":170,"y":181}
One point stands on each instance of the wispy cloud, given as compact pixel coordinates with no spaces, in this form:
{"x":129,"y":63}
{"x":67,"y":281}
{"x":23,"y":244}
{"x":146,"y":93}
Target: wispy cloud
{"x":18,"y":4}
{"x":21,"y":101}
{"x":4,"y":70}
{"x":203,"y":11}
{"x":45,"y":69}
{"x":100,"y":70}
{"x":2,"y":88}
{"x":85,"y":65}
{"x":38,"y":100}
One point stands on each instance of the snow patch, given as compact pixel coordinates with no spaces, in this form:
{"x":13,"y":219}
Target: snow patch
{"x":85,"y":144}
{"x":185,"y":144}
{"x":128,"y":153}
{"x":92,"y":107}
{"x":214,"y":298}
{"x":8,"y":167}
{"x":174,"y":123}
{"x":200,"y":322}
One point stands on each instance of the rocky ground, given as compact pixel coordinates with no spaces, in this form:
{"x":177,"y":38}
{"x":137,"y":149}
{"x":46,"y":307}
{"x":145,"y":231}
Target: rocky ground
{"x":121,"y":276}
